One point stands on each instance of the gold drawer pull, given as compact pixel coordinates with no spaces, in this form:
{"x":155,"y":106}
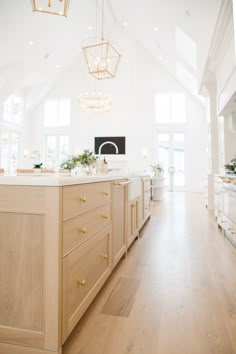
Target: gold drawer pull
{"x":83,"y":199}
{"x":105,"y":216}
{"x":81,"y":282}
{"x":105,"y":193}
{"x":105,"y":256}
{"x":83,"y":230}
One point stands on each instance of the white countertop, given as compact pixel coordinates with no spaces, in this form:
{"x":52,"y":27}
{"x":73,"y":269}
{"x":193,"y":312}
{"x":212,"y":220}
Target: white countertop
{"x":63,"y":180}
{"x":232,"y":176}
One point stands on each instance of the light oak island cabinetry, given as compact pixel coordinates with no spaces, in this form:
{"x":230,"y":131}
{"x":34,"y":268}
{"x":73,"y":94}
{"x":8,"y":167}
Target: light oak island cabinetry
{"x":119,"y":216}
{"x":86,"y":248}
{"x":58,"y":245}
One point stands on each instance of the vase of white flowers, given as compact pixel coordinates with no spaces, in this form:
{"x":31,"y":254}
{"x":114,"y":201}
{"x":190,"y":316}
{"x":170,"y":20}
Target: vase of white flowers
{"x":86,"y":160}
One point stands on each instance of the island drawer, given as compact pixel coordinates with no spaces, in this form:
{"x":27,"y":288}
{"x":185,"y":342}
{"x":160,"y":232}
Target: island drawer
{"x":79,"y":229}
{"x":84,"y":271}
{"x":83,"y":197}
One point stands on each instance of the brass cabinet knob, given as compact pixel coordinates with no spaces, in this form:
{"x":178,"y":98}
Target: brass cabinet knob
{"x":105,"y":256}
{"x":83,"y":199}
{"x":81,"y":282}
{"x":83,"y":229}
{"x":105,"y":216}
{"x":105,"y":193}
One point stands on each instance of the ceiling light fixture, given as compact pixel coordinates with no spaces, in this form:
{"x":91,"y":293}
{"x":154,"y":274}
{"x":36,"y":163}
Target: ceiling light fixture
{"x":95,"y":102}
{"x":102,"y":58}
{"x":54,"y":7}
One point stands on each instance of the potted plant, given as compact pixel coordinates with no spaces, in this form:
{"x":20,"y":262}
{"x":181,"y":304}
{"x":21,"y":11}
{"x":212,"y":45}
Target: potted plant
{"x":157,"y":182}
{"x":37,"y":167}
{"x":231,"y":167}
{"x":158,"y":170}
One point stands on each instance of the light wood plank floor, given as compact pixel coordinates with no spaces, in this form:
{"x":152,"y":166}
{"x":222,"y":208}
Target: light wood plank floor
{"x":184,"y":300}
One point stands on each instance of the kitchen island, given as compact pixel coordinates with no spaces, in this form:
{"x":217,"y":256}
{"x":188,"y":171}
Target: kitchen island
{"x":60,"y":239}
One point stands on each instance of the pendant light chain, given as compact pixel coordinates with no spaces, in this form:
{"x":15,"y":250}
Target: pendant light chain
{"x":102,"y":19}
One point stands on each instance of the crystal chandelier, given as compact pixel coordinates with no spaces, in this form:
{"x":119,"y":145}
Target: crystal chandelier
{"x":102,"y":57}
{"x":95,"y":102}
{"x":55,"y":7}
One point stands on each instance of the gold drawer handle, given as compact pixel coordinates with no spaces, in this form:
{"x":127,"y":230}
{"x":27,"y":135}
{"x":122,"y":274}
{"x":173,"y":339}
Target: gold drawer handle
{"x":105,"y":256}
{"x":81,"y":282}
{"x":105,"y":193}
{"x":83,"y":199}
{"x":105,"y":216}
{"x":83,"y":230}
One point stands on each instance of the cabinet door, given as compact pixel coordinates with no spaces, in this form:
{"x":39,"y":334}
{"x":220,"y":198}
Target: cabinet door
{"x":132,"y":232}
{"x":85,"y":270}
{"x":119,"y":225}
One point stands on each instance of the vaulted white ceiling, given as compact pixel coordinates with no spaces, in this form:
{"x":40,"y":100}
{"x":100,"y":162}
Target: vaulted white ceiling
{"x":37,"y":48}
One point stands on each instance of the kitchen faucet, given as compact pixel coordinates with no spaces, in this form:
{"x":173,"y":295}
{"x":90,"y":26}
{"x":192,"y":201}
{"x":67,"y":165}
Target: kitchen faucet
{"x":99,"y":153}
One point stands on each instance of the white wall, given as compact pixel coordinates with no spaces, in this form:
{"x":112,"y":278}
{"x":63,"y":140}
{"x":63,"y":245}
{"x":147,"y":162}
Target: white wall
{"x":139,"y":78}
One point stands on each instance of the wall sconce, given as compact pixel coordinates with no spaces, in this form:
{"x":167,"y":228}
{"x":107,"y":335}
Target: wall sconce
{"x":145,"y":153}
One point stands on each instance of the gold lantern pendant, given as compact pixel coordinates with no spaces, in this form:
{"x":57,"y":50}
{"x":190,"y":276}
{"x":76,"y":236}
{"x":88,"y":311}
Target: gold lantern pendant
{"x":54,"y":7}
{"x":102,"y":58}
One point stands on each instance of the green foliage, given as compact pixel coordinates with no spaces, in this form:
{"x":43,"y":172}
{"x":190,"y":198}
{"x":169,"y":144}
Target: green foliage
{"x":87,"y":158}
{"x":232,"y":165}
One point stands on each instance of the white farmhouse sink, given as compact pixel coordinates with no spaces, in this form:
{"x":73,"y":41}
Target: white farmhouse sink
{"x":134,"y":188}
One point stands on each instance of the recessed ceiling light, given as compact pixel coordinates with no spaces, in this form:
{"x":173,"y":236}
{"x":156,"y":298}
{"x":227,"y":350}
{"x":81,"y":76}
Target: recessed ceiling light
{"x":90,"y":28}
{"x":31,"y":43}
{"x":58,"y":66}
{"x":125,"y":24}
{"x":187,"y":13}
{"x":155,"y":28}
{"x":46,"y":55}
{"x":160,"y":58}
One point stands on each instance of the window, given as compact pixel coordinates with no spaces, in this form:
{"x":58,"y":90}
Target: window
{"x":57,"y":149}
{"x":57,"y":113}
{"x":9,"y":147}
{"x":170,"y":108}
{"x":13,"y":109}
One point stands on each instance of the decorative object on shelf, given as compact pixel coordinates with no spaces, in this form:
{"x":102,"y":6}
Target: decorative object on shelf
{"x":231,"y":167}
{"x":95,"y":102}
{"x":102,"y":57}
{"x":54,"y":7}
{"x":158,"y":170}
{"x":87,"y":160}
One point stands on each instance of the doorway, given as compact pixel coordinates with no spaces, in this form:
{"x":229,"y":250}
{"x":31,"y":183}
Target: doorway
{"x":171,"y":157}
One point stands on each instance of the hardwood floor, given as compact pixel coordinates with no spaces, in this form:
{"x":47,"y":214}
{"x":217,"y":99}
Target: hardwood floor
{"x":181,"y":298}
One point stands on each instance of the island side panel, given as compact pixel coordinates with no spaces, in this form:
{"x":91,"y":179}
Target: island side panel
{"x":30,"y":272}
